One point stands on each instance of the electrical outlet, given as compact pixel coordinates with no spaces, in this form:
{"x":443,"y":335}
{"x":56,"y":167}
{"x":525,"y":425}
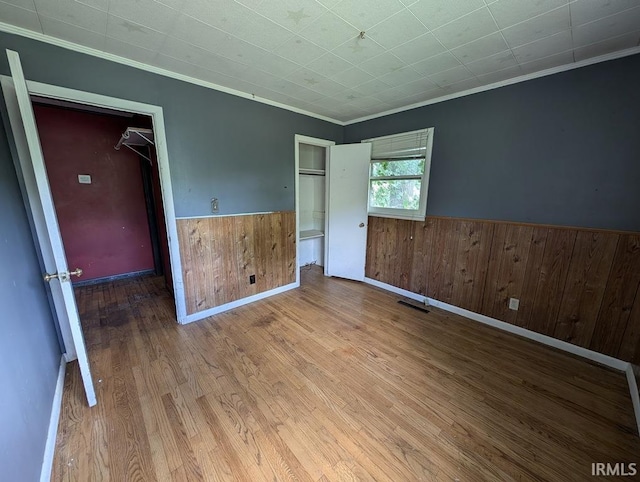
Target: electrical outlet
{"x":214,"y":205}
{"x":514,"y":304}
{"x":252,"y":279}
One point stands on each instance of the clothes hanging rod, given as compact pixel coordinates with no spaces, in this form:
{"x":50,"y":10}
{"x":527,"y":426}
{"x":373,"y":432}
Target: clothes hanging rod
{"x":135,"y":136}
{"x":138,"y":152}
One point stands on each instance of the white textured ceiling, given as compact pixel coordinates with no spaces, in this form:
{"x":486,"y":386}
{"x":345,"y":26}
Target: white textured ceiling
{"x":307,"y":53}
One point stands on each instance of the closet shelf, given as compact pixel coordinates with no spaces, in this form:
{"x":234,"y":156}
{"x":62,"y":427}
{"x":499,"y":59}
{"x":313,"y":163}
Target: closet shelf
{"x":310,"y":234}
{"x":134,"y":137}
{"x":311,"y":172}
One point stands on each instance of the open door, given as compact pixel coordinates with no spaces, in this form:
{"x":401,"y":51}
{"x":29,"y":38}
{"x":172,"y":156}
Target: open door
{"x":31,"y":164}
{"x":346,"y":226}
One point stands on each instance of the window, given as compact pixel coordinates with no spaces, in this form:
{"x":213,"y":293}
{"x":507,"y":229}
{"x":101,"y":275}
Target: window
{"x":399,"y":174}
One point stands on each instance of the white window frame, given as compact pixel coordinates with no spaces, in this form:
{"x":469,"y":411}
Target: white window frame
{"x":399,"y":213}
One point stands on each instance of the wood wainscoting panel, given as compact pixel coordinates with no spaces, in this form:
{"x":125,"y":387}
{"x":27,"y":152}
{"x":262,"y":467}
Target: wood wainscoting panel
{"x":537,"y":247}
{"x":195,"y":253}
{"x":506,"y":270}
{"x":588,"y":273}
{"x":219,"y":254}
{"x":574,"y":284}
{"x":545,"y":279}
{"x":630,"y":348}
{"x":389,"y":244}
{"x":422,"y":248}
{"x":442,"y":267}
{"x":472,"y":260}
{"x":619,"y":296}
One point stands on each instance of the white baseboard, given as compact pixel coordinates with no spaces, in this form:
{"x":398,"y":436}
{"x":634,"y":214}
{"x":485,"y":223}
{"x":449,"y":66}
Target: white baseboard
{"x":606,"y":360}
{"x":50,"y":447}
{"x":396,"y":290}
{"x":235,"y":304}
{"x":532,"y":335}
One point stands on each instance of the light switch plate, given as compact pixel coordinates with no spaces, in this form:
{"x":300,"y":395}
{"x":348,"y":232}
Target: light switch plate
{"x":84,"y":178}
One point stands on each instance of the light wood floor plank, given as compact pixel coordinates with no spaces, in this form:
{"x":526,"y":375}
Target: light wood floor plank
{"x":333,"y":381}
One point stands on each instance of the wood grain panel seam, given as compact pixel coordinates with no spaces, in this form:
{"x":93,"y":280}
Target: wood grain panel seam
{"x":483,"y":286}
{"x":619,"y":240}
{"x":564,"y":285}
{"x":561,"y":293}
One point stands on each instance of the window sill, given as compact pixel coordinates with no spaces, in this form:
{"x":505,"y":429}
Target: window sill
{"x":408,"y":217}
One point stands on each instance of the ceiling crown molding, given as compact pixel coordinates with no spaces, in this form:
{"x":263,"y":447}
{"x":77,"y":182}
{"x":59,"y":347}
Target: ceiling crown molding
{"x":22,"y":32}
{"x":496,"y":85}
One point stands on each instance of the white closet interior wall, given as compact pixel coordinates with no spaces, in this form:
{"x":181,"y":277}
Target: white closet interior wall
{"x":312,"y":204}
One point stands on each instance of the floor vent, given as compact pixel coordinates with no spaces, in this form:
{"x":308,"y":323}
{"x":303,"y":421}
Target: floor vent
{"x":414,"y":304}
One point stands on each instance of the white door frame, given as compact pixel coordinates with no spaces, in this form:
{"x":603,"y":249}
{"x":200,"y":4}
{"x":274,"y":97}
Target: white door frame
{"x":156,"y":113}
{"x":300,"y":139}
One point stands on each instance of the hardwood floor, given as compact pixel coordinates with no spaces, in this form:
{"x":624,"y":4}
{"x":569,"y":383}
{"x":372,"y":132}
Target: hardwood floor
{"x":333,"y":381}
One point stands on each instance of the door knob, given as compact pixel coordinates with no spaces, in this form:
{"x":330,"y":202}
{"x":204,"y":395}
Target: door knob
{"x":48,"y":277}
{"x":63,"y":276}
{"x":361,"y":225}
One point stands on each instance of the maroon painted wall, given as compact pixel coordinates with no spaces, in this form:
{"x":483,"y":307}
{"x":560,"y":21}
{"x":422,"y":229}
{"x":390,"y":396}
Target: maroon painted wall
{"x":104,"y":224}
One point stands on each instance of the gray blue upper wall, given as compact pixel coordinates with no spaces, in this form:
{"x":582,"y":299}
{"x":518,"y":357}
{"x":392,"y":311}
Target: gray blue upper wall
{"x":562,"y":149}
{"x":235,"y":149}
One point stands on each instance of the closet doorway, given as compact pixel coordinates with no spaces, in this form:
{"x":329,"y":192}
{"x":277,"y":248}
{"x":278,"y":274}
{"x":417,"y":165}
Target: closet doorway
{"x":30,"y":165}
{"x":331,"y":206}
{"x":310,"y":170}
{"x":104,"y":179}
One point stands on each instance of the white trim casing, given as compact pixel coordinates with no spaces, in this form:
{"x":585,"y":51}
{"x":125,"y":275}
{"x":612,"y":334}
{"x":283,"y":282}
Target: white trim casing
{"x":235,"y":304}
{"x":52,"y":434}
{"x":156,"y":113}
{"x":297,"y":140}
{"x":12,"y":29}
{"x":419,"y":214}
{"x":606,"y":360}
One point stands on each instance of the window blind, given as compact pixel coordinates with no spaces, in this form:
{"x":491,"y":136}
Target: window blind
{"x":408,"y":145}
